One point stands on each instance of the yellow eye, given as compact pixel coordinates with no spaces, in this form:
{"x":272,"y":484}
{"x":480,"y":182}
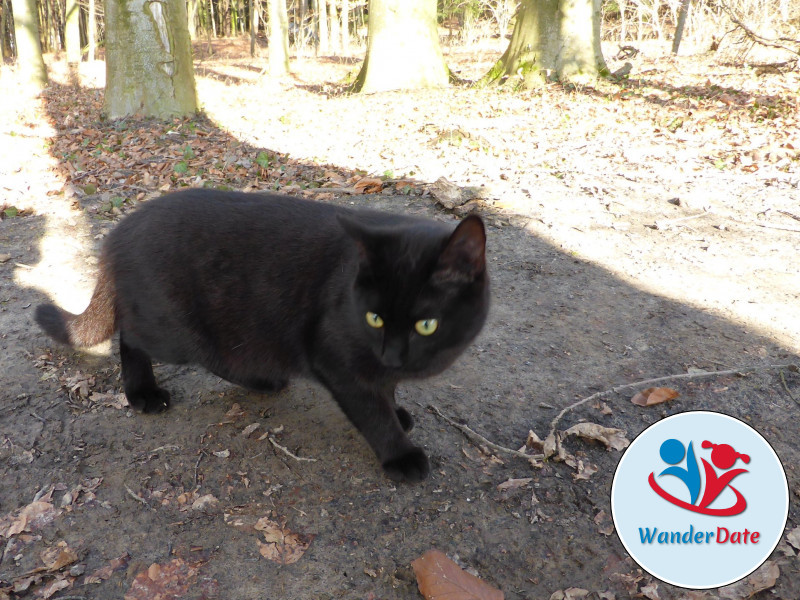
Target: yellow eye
{"x":374,"y":320}
{"x":426,"y":326}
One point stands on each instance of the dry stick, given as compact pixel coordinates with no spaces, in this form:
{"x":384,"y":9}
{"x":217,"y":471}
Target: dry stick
{"x":786,"y":387}
{"x":470,"y":433}
{"x":286,"y":451}
{"x":138,"y":498}
{"x":648,"y":382}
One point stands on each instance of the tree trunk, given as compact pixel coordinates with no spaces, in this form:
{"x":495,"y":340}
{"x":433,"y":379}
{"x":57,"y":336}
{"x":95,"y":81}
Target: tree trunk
{"x":552,"y":39}
{"x":4,"y":30}
{"x":253,"y":27}
{"x":345,"y":27}
{"x":191,"y":18}
{"x":91,"y":31}
{"x":278,"y":39}
{"x":322,"y":24}
{"x":148,"y":59}
{"x":403,"y":49}
{"x":72,"y":32}
{"x":334,"y":27}
{"x":29,"y":48}
{"x":684,"y":10}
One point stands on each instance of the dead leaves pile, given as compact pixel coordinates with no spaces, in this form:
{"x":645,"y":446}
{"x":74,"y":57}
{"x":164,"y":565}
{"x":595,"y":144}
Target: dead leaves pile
{"x":280,"y":545}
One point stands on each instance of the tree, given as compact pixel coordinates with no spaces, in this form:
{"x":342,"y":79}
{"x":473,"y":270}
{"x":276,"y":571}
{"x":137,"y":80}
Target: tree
{"x":29,"y":47}
{"x":148,"y":59}
{"x":403,"y":49}
{"x":278,"y":38}
{"x":72,"y":32}
{"x":552,"y":39}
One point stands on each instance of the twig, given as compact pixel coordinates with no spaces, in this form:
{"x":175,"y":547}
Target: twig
{"x":786,"y":387}
{"x":649,"y":382}
{"x":759,"y":39}
{"x":779,"y":228}
{"x":138,"y":498}
{"x":475,"y":436}
{"x":196,"y":465}
{"x":287,"y":452}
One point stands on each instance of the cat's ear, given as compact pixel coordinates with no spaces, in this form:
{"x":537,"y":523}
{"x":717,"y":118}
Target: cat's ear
{"x":463,"y":258}
{"x":358,"y":233}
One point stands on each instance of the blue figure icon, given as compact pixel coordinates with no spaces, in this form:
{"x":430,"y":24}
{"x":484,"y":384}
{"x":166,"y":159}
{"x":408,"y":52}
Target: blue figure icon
{"x":672,"y":452}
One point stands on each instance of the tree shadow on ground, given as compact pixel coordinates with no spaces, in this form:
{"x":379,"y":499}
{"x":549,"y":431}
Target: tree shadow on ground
{"x":560,"y":329}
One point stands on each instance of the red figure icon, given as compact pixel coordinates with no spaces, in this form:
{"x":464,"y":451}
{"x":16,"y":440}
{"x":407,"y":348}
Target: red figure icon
{"x":724,"y":457}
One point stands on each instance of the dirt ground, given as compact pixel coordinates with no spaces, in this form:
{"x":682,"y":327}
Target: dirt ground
{"x":637,"y":229}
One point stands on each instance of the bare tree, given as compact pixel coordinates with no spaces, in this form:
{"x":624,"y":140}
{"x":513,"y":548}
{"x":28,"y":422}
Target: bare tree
{"x":148,"y":59}
{"x":29,"y":48}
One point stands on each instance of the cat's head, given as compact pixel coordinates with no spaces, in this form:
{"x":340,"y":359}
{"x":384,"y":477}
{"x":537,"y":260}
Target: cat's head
{"x":421,"y":293}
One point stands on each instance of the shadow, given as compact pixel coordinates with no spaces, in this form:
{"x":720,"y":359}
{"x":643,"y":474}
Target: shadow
{"x":560,"y":328}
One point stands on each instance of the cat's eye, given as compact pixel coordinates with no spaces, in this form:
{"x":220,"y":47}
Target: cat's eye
{"x":374,"y":320}
{"x":426,"y":326}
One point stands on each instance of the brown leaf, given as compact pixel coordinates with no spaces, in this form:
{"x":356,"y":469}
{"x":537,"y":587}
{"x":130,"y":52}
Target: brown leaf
{"x":168,"y":581}
{"x":652,"y":396}
{"x":34,"y":516}
{"x":58,"y":556}
{"x":438,"y":578}
{"x":512,"y":484}
{"x":54,"y":586}
{"x":605,"y":524}
{"x":282,"y":546}
{"x":762,"y":579}
{"x":368,"y":185}
{"x":613,"y":438}
{"x":793,"y":537}
{"x":106,"y":571}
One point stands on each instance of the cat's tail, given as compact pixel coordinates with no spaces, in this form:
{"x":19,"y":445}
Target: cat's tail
{"x":94,"y":325}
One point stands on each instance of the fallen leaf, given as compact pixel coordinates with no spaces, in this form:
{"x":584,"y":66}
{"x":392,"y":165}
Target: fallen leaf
{"x":613,"y":438}
{"x":793,"y":537}
{"x":248,"y":431}
{"x":169,"y":581}
{"x":512,"y":484}
{"x":650,"y":591}
{"x":106,"y":571}
{"x":368,"y":185}
{"x":534,"y":442}
{"x":53,"y":587}
{"x":205,"y":503}
{"x":59,"y":556}
{"x":762,"y":579}
{"x":233,"y":413}
{"x":282,"y":546}
{"x":438,"y":578}
{"x":572,"y":593}
{"x":652,"y":396}
{"x":30,"y":518}
{"x":605,"y":524}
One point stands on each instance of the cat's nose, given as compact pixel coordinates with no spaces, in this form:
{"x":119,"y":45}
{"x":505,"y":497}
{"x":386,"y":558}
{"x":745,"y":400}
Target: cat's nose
{"x":393,"y":354}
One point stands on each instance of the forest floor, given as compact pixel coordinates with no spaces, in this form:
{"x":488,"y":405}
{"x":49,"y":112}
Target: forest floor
{"x":637,"y":228}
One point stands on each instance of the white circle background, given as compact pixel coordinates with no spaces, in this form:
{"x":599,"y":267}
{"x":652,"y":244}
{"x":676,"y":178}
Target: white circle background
{"x":635,"y":505}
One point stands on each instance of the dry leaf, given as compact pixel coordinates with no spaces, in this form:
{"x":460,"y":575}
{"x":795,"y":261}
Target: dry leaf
{"x":793,"y":537}
{"x":34,"y":516}
{"x":53,"y":587}
{"x":439,"y":578}
{"x":368,"y":185}
{"x":652,"y":396}
{"x":105,"y":572}
{"x":512,"y":484}
{"x":205,"y":503}
{"x":650,"y":591}
{"x":613,"y":438}
{"x":534,"y":442}
{"x":282,"y":546}
{"x":233,"y":413}
{"x":762,"y":579}
{"x":572,"y":593}
{"x":58,"y":556}
{"x":169,"y":581}
{"x":605,"y":524}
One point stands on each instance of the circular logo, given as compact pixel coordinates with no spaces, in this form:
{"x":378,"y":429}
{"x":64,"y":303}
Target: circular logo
{"x":699,"y":500}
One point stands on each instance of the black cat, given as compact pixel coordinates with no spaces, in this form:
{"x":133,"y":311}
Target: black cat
{"x":258,"y":288}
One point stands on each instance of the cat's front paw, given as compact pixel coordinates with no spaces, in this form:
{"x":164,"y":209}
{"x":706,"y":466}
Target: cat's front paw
{"x":152,"y":401}
{"x":413,"y":466}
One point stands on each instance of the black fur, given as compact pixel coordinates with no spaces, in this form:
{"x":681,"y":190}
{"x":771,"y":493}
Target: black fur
{"x":259,"y":288}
